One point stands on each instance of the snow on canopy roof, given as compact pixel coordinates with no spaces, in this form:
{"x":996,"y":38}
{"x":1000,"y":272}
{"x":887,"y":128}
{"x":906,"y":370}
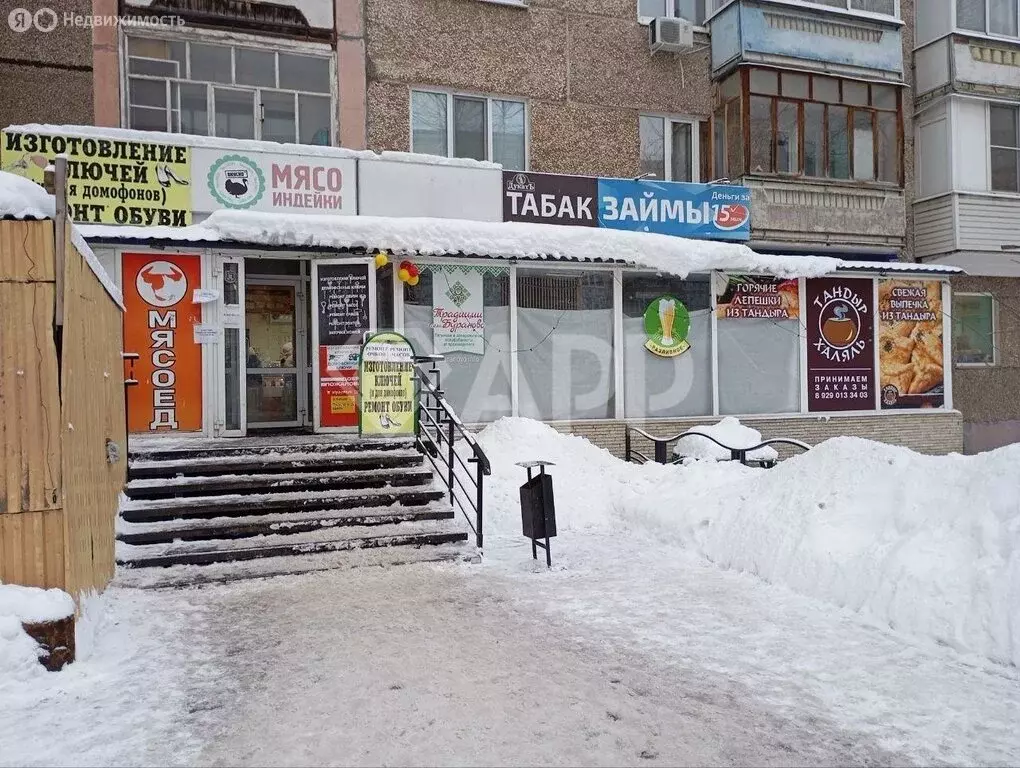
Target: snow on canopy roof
{"x":21,"y":198}
{"x":506,"y":240}
{"x":243,"y":145}
{"x":900,"y":266}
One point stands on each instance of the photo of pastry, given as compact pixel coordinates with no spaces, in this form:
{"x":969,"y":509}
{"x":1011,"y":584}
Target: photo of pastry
{"x":910,"y":344}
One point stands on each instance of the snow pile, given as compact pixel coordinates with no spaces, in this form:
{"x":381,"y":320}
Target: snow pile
{"x":33,"y":605}
{"x":729,"y":431}
{"x":21,"y":198}
{"x":19,"y":653}
{"x":589,"y":482}
{"x":929,"y":545}
{"x":435,"y":237}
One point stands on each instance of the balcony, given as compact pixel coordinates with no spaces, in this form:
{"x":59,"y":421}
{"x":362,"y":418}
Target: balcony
{"x":822,"y":155}
{"x":826,"y":214}
{"x":819,"y":39}
{"x":981,"y":67}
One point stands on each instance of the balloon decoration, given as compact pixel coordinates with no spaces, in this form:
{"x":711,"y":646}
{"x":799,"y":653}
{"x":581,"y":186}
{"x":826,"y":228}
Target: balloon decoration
{"x":381,"y":259}
{"x":409,"y":273}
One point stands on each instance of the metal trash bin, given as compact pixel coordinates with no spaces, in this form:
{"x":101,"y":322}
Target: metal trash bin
{"x":538,"y":508}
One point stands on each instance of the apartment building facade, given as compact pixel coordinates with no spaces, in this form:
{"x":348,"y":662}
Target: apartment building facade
{"x":967,"y":211}
{"x":573,"y":87}
{"x":802,"y":100}
{"x":805,"y":104}
{"x":46,"y":76}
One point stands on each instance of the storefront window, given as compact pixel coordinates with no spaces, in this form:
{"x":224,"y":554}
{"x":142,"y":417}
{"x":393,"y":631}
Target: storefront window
{"x":476,"y":370}
{"x":759,"y":345}
{"x":661,"y":386}
{"x":565,"y":344}
{"x":974,"y":329}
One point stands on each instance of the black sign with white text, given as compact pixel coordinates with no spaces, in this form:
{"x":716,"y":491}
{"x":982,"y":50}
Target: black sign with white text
{"x":550,"y":198}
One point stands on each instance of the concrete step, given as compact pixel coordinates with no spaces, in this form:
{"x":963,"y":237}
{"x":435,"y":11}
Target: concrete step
{"x":249,"y":526}
{"x":203,"y":485}
{"x":174,"y":577}
{"x":235,"y":505}
{"x":274,"y":463}
{"x":166,"y":449}
{"x":207,"y":552}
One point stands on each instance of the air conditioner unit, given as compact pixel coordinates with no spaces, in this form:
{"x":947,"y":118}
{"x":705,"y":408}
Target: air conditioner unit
{"x":670,"y":35}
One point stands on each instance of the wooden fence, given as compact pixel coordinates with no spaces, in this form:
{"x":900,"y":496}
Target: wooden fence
{"x":61,"y":405}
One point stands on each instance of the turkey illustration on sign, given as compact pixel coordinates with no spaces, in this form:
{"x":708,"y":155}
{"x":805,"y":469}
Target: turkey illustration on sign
{"x":236,"y":181}
{"x":262,"y":181}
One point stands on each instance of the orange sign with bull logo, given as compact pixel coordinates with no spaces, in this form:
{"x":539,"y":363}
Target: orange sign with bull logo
{"x":159,"y":325}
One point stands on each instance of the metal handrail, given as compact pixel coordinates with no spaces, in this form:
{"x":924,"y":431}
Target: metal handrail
{"x":469,"y":438}
{"x":438,"y":422}
{"x":661,"y":444}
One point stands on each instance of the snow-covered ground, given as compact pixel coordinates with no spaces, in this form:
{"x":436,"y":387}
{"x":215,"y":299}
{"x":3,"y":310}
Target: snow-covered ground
{"x":861,"y":631}
{"x":929,"y":545}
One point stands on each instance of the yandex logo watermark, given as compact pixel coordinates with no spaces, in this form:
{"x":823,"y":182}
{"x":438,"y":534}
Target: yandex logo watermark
{"x":46,"y":19}
{"x":159,"y":325}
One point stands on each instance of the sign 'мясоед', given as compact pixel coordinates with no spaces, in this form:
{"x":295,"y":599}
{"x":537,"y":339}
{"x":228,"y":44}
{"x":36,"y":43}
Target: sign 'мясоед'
{"x":708,"y":211}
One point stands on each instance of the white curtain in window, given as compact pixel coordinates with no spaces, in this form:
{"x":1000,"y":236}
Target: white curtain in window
{"x":668,"y":386}
{"x":970,"y":14}
{"x":508,"y":146}
{"x":759,"y":366}
{"x":428,"y":123}
{"x":653,"y":7}
{"x":653,"y":152}
{"x":1002,"y":17}
{"x":682,"y":152}
{"x":477,"y":386}
{"x":565,"y":363}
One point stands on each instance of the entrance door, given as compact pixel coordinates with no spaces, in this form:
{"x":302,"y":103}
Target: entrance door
{"x":275,"y":391}
{"x":343,"y":311}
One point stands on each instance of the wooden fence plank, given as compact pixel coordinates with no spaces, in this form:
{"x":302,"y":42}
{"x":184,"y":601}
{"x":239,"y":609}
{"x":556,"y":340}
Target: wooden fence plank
{"x":32,"y":548}
{"x":26,"y":251}
{"x":93,"y":402}
{"x":29,"y":401}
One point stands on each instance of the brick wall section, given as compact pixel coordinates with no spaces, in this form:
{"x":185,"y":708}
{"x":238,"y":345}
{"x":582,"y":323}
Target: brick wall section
{"x":933,"y":433}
